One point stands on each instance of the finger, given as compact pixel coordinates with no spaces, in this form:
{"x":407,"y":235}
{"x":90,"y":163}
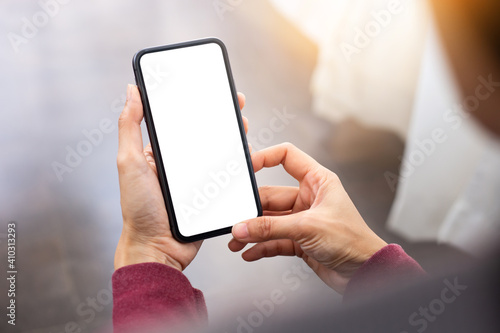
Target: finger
{"x":241,"y":100}
{"x":148,"y":153}
{"x":129,"y":124}
{"x":245,"y":123}
{"x":296,"y":162}
{"x":282,"y":247}
{"x":267,"y":228}
{"x":235,"y":245}
{"x":148,"y":149}
{"x":278,"y":198}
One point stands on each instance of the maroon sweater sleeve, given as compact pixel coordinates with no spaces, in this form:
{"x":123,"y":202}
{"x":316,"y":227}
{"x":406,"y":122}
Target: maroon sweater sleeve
{"x":389,"y":266}
{"x":153,"y":295}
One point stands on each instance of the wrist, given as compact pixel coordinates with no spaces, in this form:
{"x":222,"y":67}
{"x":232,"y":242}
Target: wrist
{"x":131,"y":252}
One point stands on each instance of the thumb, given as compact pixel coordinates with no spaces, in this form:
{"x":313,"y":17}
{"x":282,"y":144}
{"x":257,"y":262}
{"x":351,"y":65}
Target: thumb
{"x":266,"y":228}
{"x":129,"y":124}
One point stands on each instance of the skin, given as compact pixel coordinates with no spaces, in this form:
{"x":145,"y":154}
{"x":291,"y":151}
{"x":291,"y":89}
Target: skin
{"x":315,"y":221}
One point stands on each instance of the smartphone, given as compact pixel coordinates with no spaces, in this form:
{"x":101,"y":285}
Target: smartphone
{"x":198,"y":139}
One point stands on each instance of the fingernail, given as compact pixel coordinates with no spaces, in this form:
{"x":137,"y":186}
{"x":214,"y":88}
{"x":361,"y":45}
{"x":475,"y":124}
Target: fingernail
{"x":129,"y":92}
{"x":240,"y":231}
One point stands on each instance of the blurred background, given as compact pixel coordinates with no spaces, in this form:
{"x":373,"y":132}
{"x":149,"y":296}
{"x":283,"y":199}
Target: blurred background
{"x":359,"y":85}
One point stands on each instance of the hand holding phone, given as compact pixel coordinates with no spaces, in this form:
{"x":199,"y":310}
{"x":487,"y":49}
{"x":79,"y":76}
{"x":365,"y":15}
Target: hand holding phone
{"x":197,"y":136}
{"x":146,"y":235}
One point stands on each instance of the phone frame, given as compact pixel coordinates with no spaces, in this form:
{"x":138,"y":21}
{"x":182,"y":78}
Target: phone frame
{"x":154,"y":141}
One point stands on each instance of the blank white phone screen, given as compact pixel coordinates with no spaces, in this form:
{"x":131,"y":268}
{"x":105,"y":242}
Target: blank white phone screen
{"x":199,"y":138}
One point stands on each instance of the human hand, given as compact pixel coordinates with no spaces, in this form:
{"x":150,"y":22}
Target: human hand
{"x":146,"y":235}
{"x":316,"y":221}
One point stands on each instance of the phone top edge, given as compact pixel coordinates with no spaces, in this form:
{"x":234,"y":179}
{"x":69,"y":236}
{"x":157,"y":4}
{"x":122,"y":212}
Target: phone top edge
{"x":138,"y":55}
{"x":193,"y":42}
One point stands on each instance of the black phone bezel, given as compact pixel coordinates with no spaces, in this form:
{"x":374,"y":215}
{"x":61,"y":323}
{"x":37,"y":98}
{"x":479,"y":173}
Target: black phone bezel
{"x":154,"y":141}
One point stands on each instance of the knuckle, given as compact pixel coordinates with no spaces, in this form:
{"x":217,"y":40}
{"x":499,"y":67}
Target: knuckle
{"x":334,"y":178}
{"x":264,"y":228}
{"x":264,"y":250}
{"x":123,"y":160}
{"x":288,"y":146}
{"x":279,"y":248}
{"x":265,"y":194}
{"x":122,"y":120}
{"x":264,"y":190}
